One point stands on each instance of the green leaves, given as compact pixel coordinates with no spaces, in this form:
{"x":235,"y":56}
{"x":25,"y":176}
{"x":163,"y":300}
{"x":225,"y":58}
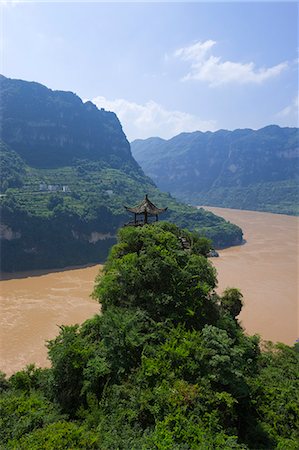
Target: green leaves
{"x":57,"y":436}
{"x":276,"y":397}
{"x":21,"y":413}
{"x":166,"y":366}
{"x":149,"y":269}
{"x":232,"y":301}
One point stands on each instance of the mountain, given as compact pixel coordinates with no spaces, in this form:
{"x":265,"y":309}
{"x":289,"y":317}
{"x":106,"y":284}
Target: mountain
{"x":50,"y":129}
{"x":244,"y":169}
{"x":66,"y":172}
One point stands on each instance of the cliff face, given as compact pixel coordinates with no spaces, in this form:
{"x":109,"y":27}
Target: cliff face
{"x":216,"y":168}
{"x":54,"y":128}
{"x":66,"y":172}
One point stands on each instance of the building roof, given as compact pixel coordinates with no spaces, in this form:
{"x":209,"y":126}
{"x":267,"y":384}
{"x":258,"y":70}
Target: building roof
{"x":146,"y":206}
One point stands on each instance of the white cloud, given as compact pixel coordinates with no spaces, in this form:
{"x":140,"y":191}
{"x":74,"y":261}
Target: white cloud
{"x":195,"y":52}
{"x":152,"y":119}
{"x":211,"y":69}
{"x":290,"y":112}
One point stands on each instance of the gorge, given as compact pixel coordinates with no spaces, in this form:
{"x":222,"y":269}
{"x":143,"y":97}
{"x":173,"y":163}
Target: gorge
{"x":66,"y":173}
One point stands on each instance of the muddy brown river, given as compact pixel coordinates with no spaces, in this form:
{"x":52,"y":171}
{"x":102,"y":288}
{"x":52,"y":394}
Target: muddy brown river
{"x":34,"y":304}
{"x":265,"y":269}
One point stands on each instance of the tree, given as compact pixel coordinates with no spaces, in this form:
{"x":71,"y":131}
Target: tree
{"x":166,"y":365}
{"x":61,"y":435}
{"x":149,"y":269}
{"x":54,"y":201}
{"x":232,"y":301}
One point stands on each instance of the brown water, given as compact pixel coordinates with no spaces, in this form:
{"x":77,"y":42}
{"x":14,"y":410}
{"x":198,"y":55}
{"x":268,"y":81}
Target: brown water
{"x":265,"y":269}
{"x":34,"y":304}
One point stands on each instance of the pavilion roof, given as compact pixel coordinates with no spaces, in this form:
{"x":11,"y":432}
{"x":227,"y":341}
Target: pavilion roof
{"x":146,"y":206}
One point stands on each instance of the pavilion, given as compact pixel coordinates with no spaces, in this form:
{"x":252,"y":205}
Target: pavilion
{"x":145,"y":209}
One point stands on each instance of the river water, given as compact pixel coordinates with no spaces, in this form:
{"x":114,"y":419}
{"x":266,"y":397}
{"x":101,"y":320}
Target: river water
{"x":34,"y":304}
{"x":266,"y":271}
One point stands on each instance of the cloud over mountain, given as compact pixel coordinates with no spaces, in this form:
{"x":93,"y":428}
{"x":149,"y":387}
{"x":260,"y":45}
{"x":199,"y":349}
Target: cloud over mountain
{"x":152,"y":119}
{"x":206,"y":67}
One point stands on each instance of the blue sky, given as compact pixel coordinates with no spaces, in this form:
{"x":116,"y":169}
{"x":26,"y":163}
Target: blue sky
{"x":163,"y":68}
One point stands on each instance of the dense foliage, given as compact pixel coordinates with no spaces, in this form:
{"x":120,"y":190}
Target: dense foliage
{"x":81,"y":224}
{"x":165,"y":366}
{"x":12,"y":169}
{"x":66,"y":173}
{"x":243,"y":169}
{"x":280,"y":197}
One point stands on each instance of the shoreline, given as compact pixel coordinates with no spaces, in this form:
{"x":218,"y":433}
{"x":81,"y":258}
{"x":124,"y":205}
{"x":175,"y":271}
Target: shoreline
{"x":40,"y":272}
{"x":207,"y":207}
{"x":4,"y":276}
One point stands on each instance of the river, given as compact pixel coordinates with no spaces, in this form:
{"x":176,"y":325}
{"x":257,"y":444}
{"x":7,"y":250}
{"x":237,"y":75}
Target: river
{"x":265,"y":269}
{"x":34,"y":304}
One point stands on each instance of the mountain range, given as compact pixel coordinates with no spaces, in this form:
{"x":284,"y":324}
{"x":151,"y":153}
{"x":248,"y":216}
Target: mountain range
{"x":66,"y":173}
{"x":245,"y":169}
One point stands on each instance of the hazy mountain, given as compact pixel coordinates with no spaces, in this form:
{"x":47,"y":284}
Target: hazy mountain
{"x":239,"y":169}
{"x":66,"y":172}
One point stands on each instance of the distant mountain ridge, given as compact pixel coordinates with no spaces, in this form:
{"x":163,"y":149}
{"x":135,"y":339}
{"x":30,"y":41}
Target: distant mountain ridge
{"x":249,"y":169}
{"x":66,"y":173}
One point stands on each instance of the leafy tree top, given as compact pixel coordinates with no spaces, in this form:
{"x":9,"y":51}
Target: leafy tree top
{"x":149,"y":269}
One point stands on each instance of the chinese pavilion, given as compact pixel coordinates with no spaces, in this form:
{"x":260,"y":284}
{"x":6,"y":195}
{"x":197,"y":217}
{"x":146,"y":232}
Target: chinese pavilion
{"x":146,"y":209}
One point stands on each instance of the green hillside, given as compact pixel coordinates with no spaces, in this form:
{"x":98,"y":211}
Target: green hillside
{"x":66,"y":174}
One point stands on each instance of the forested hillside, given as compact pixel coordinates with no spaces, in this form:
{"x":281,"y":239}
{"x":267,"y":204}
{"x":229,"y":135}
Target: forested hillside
{"x":244,"y":169}
{"x":166,"y":365}
{"x":66,"y":173}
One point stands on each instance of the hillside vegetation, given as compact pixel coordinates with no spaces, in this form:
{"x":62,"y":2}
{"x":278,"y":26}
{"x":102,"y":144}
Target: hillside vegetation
{"x":165,"y":366}
{"x":244,"y":169}
{"x":66,"y":173}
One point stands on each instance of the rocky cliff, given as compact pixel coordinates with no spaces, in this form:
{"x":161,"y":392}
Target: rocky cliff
{"x":54,"y":128}
{"x":253,"y":169}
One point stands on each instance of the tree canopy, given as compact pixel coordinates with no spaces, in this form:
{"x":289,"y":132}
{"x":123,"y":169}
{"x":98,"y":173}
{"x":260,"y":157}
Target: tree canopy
{"x":165,"y":366}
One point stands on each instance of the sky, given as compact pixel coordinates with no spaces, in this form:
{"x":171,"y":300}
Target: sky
{"x":163,"y":68}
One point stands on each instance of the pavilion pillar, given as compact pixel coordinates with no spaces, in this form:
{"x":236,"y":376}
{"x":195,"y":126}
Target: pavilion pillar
{"x":142,"y":212}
